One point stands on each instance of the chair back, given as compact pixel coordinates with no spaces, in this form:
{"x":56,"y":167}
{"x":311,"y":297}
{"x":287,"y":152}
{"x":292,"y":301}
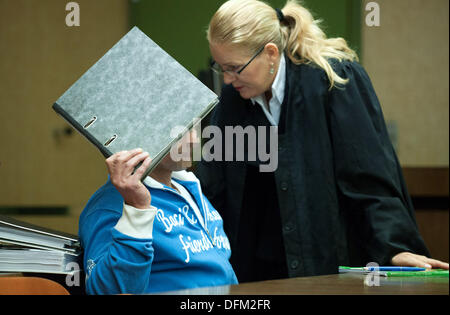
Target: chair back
{"x":30,"y":286}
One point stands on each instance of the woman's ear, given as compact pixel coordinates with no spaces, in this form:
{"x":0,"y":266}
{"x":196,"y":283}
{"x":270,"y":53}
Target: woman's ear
{"x":272,"y":52}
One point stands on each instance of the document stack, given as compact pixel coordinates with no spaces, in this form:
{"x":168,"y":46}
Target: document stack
{"x":26,"y":248}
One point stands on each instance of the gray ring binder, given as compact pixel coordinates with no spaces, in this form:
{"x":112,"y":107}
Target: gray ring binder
{"x":139,"y":94}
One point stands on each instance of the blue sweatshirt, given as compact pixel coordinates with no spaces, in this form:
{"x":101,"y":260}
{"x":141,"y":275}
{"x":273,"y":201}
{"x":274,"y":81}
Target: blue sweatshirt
{"x":178,"y":243}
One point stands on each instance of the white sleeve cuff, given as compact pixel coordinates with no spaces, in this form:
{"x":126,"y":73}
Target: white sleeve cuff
{"x":137,"y":223}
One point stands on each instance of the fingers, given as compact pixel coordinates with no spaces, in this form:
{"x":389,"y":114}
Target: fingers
{"x":122,"y":164}
{"x":123,"y":156}
{"x":437,"y":264}
{"x":409,"y":260}
{"x":131,"y":164}
{"x":126,"y":160}
{"x":418,"y":262}
{"x":121,"y":167}
{"x":145,"y":165}
{"x":413,"y":260}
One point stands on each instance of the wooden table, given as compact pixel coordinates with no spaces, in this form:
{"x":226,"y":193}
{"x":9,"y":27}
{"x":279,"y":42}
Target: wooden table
{"x":340,"y":284}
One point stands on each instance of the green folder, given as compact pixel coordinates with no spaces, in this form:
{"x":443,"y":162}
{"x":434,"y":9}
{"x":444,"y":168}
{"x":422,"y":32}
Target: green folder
{"x":428,"y":273}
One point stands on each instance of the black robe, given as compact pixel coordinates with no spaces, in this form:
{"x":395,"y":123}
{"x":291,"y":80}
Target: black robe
{"x":338,"y":196}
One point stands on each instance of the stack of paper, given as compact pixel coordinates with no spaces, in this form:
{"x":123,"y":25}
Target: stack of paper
{"x":29,"y":248}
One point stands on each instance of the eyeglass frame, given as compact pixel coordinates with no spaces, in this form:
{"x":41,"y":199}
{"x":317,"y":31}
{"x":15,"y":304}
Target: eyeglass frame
{"x":219,"y":70}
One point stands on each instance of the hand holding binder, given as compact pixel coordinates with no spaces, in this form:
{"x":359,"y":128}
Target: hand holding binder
{"x":127,"y":179}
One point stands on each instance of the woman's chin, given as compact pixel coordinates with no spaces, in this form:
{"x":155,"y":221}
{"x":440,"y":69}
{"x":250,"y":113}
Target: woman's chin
{"x":246,"y":94}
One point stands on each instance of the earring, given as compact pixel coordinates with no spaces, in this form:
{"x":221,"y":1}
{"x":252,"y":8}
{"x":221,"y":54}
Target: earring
{"x":272,"y":69}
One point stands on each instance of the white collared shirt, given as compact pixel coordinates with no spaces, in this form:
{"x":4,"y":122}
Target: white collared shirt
{"x":275,"y":102}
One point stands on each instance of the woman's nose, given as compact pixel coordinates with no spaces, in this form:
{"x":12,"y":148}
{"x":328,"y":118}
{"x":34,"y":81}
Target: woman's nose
{"x":228,"y":78}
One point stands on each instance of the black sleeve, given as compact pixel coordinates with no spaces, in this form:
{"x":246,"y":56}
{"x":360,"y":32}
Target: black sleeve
{"x":369,"y":178}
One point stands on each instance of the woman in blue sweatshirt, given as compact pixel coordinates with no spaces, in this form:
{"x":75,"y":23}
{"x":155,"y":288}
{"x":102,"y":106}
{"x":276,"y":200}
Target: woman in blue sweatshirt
{"x":159,"y":235}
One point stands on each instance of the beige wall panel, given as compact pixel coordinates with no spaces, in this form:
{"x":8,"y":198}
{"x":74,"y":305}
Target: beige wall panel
{"x":41,"y":57}
{"x":407,"y":58}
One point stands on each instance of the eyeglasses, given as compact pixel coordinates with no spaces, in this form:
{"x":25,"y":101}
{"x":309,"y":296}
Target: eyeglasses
{"x":234,"y":70}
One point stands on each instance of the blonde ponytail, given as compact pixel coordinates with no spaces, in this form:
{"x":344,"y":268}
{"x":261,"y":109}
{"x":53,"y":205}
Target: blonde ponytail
{"x":249,"y":24}
{"x":308,"y":43}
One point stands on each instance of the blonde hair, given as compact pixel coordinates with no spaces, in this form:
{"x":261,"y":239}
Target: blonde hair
{"x":250,"y":24}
